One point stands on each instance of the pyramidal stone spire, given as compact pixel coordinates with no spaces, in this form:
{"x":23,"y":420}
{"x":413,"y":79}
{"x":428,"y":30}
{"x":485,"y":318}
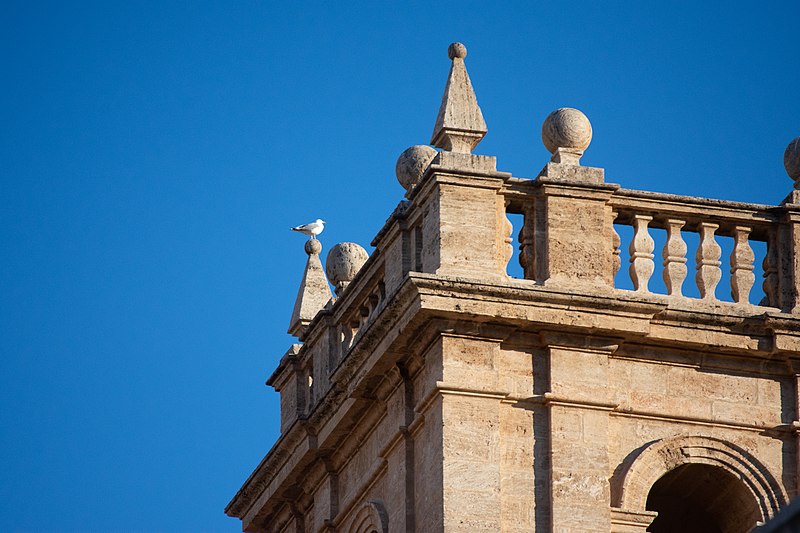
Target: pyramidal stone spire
{"x":314,"y":291}
{"x":460,"y":125}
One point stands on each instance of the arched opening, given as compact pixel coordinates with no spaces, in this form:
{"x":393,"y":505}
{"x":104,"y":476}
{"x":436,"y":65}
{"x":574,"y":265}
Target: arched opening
{"x":700,"y":498}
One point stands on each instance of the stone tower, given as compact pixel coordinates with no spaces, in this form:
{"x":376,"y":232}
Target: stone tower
{"x":435,"y":393}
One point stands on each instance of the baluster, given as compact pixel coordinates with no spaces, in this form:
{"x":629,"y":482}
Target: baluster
{"x":523,"y":249}
{"x":374,"y":301}
{"x":674,"y":254}
{"x":346,"y":339}
{"x":707,"y":259}
{"x":507,"y":246}
{"x":742,"y":258}
{"x":526,"y":246}
{"x":641,"y":252}
{"x":770,"y":285}
{"x":418,"y":249}
{"x":616,"y":262}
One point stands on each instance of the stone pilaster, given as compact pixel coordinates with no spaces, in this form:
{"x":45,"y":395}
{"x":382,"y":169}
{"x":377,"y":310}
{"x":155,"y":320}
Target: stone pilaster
{"x":471,"y":435}
{"x":574,"y":387}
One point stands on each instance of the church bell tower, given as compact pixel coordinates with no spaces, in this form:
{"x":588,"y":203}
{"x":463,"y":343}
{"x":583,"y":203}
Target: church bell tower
{"x":433,"y":392}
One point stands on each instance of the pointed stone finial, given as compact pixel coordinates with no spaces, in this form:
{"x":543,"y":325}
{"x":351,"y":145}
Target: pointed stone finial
{"x":460,"y":125}
{"x":314,"y":291}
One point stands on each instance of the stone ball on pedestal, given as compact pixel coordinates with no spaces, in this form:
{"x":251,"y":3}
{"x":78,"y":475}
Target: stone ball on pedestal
{"x":566,"y":128}
{"x":412,"y":164}
{"x":791,"y":159}
{"x":313,"y":247}
{"x":343,"y":263}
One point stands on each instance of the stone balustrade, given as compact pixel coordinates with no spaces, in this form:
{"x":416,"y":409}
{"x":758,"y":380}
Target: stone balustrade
{"x":358,"y":313}
{"x":305,"y":373}
{"x":710,"y":220}
{"x":583,"y":266}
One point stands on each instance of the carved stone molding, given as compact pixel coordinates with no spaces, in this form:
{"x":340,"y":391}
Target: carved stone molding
{"x":632,"y":481}
{"x":371,"y":517}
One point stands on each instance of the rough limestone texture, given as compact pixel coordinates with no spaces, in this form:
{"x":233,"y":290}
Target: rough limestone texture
{"x":566,"y":133}
{"x":566,"y":128}
{"x":572,"y":230}
{"x":437,"y":394}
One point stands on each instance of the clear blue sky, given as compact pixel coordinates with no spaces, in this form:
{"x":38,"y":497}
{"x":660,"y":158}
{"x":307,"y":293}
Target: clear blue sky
{"x":153,"y":155}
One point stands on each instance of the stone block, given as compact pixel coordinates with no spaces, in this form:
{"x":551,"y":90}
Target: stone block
{"x":515,"y":372}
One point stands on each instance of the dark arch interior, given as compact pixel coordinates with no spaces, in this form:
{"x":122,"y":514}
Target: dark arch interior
{"x":698,"y":498}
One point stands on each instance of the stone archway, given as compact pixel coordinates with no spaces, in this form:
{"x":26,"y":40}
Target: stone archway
{"x":370,"y":518}
{"x":700,"y":498}
{"x":704,"y":465}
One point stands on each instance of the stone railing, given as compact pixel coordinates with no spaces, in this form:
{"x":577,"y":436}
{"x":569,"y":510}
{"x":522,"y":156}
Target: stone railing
{"x":357,"y":308}
{"x":570,"y":237}
{"x":709,"y":219}
{"x":343,"y":324}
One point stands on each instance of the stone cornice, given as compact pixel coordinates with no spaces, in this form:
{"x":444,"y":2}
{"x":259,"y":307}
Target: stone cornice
{"x":270,"y":475}
{"x":577,"y":189}
{"x":278,"y":376}
{"x":268,"y":468}
{"x":654,"y":317}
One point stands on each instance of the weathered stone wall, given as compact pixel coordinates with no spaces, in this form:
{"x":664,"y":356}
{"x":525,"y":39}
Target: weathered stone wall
{"x":499,"y":429}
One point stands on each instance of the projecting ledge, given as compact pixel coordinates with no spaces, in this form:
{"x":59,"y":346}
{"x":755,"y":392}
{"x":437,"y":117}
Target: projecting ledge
{"x":529,"y":306}
{"x":529,"y":292}
{"x":631,"y":521}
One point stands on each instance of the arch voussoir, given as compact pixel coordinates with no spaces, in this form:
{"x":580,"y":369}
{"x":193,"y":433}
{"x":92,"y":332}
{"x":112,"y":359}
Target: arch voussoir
{"x":632,"y":485}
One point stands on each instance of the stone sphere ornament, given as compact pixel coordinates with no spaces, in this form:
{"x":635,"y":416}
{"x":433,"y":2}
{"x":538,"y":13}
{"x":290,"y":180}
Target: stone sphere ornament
{"x":791,"y":160}
{"x":412,"y":164}
{"x":313,"y":247}
{"x":456,"y":50}
{"x":343,"y":263}
{"x":566,"y":128}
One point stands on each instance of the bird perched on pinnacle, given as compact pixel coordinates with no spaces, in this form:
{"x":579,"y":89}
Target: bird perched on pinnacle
{"x":312,"y":228}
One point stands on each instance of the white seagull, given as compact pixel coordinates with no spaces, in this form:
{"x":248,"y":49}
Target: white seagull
{"x":312,"y":228}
